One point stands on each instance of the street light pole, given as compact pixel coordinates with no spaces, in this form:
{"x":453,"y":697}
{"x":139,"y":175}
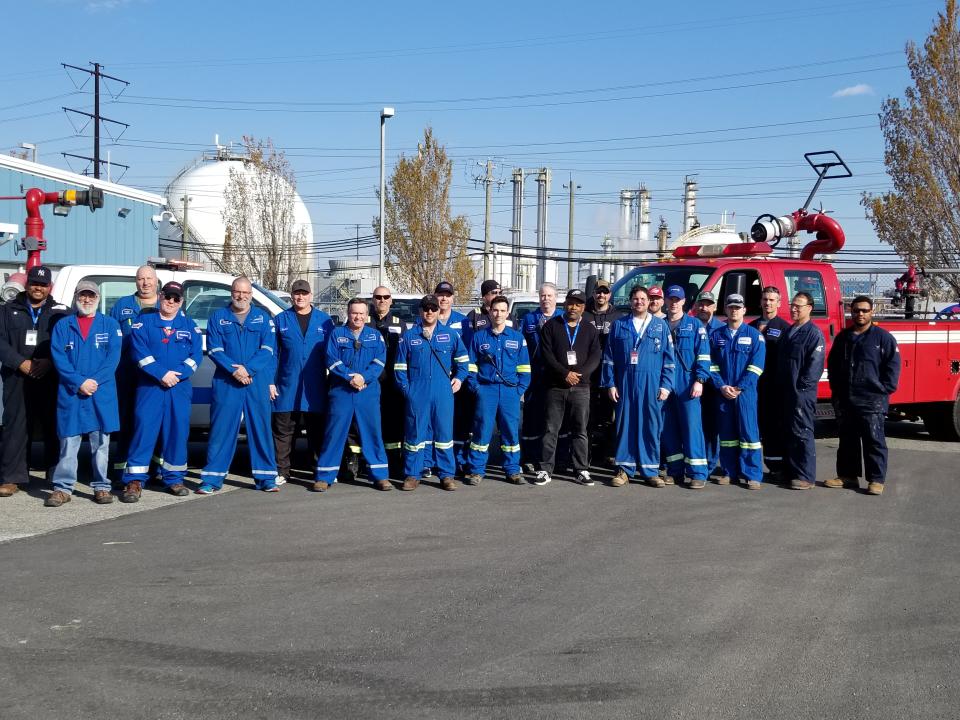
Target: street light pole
{"x":387,"y":112}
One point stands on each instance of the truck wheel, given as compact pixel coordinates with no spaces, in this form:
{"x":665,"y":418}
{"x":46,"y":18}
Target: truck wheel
{"x":943,"y":421}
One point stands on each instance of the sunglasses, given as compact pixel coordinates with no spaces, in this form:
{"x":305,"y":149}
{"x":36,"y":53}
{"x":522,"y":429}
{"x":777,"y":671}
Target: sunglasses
{"x":861,"y":310}
{"x":172,"y":298}
{"x":431,"y":309}
{"x":381,"y":297}
{"x":602,"y":291}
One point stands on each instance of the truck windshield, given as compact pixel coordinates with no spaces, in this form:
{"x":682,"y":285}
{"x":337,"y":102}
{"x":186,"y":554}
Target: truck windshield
{"x":690,"y":278}
{"x":280,"y":303}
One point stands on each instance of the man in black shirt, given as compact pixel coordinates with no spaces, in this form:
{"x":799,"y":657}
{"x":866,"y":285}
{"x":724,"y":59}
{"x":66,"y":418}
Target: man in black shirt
{"x":29,"y":379}
{"x":392,"y":405}
{"x":570,"y":349}
{"x":603,"y":439}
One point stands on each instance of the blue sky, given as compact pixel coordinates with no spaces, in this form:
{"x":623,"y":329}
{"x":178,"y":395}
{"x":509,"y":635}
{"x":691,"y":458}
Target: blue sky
{"x":613,"y":93}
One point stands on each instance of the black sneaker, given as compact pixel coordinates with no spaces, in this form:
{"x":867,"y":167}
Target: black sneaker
{"x":583,"y":477}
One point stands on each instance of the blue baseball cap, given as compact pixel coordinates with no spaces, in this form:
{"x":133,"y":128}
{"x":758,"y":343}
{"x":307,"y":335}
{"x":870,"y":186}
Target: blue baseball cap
{"x":675,"y":291}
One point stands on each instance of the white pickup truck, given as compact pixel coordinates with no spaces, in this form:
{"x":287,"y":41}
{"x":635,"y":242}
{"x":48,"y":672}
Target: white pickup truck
{"x":203,"y":292}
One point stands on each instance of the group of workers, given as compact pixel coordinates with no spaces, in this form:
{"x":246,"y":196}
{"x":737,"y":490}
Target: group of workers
{"x":662,"y":396}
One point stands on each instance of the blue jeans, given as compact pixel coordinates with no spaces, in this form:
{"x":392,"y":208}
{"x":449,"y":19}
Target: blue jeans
{"x":65,"y":476}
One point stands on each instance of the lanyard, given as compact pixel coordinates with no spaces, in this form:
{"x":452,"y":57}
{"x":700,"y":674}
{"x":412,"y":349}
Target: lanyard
{"x":643,"y":328}
{"x":35,"y":315}
{"x":576,"y":332}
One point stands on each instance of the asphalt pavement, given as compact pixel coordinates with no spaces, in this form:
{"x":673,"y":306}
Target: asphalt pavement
{"x":492,"y":602}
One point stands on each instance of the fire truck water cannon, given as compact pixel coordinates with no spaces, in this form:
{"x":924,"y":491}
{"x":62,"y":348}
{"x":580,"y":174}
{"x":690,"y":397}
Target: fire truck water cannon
{"x":33,"y":242}
{"x":830,"y":237}
{"x":907,"y":288}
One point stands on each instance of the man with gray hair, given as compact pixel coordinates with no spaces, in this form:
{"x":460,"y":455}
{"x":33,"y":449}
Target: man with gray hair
{"x":126,"y":311}
{"x":534,"y":399}
{"x":86,"y":349}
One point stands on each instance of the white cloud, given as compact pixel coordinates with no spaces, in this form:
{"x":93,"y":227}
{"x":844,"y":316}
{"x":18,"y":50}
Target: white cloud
{"x":95,"y":6}
{"x":861,"y":89}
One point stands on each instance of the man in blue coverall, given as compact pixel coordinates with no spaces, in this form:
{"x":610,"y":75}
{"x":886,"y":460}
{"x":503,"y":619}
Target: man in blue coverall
{"x":737,"y":353}
{"x":431,"y":365}
{"x":356,"y":357}
{"x":86,"y":349}
{"x":240,"y":341}
{"x":300,"y":392}
{"x":638,"y":373}
{"x":705,"y":308}
{"x":799,"y":367}
{"x":864,"y":370}
{"x":499,"y":375}
{"x":682,"y":439}
{"x":126,"y":311}
{"x":168,"y":348}
{"x":534,"y":399}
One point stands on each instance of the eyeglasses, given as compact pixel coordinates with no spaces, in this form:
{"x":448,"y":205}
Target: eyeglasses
{"x":862,"y":311}
{"x":381,"y":297}
{"x":172,"y":298}
{"x":799,"y":305}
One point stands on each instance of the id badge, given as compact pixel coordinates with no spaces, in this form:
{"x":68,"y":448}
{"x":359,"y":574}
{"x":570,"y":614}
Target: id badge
{"x":31,"y":338}
{"x":571,"y":357}
{"x":634,"y":357}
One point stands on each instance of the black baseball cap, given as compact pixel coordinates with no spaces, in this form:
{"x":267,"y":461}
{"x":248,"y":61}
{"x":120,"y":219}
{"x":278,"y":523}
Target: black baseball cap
{"x":442,"y":288}
{"x":429,"y":302}
{"x":172,"y":288}
{"x":576,"y":296}
{"x":39,"y":275}
{"x":489,"y":286}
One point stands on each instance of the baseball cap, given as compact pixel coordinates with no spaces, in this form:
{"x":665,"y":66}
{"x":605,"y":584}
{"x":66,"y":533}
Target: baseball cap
{"x":735,"y":300}
{"x":488,"y":286}
{"x":602,"y":284}
{"x":443,"y":287}
{"x":87,"y":286}
{"x":300,"y":286}
{"x":576,"y":296}
{"x":655,"y":291}
{"x":706,"y":296}
{"x":675,"y":291}
{"x":40,"y":275}
{"x":429,"y":302}
{"x":172,"y":288}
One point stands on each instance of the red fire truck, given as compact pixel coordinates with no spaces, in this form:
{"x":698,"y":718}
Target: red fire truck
{"x":930,"y":349}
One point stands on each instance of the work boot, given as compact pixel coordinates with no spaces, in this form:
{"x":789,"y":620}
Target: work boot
{"x":875,"y":488}
{"x":697,"y":484}
{"x":56,"y":499}
{"x":320,"y":486}
{"x":721,"y":479}
{"x":655,"y":481}
{"x":410,"y":483}
{"x":754,"y":485}
{"x":131,"y":493}
{"x":179,"y":490}
{"x":668,"y":479}
{"x":102,"y":497}
{"x":620,"y":479}
{"x":8,"y":489}
{"x":840,"y":482}
{"x":448,"y":483}
{"x":384,"y":485}
{"x":472,"y":479}
{"x":515,"y":479}
{"x":797,"y":484}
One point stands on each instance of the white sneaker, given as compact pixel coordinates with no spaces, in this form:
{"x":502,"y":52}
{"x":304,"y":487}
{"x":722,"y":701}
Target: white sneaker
{"x":543,"y":477}
{"x":281,"y":480}
{"x":584,"y":478}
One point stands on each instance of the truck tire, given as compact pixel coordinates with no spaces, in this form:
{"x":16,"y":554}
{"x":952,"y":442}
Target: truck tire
{"x":942,"y":421}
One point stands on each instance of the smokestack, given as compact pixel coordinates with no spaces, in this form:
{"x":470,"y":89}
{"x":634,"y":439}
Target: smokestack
{"x":644,"y":213}
{"x":663,"y":239}
{"x":689,"y":204}
{"x":626,"y":224}
{"x":516,"y":232}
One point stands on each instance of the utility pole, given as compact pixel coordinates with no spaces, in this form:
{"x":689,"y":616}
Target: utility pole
{"x":488,"y":181}
{"x":571,"y":187}
{"x":97,"y":74}
{"x":357,"y":227}
{"x":543,"y":198}
{"x":184,"y":235}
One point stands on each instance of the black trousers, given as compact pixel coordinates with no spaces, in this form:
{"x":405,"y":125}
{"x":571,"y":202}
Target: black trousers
{"x":770,"y":419}
{"x":29,"y":412}
{"x":603,"y":434}
{"x":286,"y":427}
{"x":863,"y":444}
{"x":532,"y":422}
{"x":573,"y":405}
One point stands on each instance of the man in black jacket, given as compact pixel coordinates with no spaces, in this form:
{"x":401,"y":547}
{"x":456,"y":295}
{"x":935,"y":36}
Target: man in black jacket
{"x":570,"y":349}
{"x":774,"y":329}
{"x":29,"y":379}
{"x":864,"y":370}
{"x":603,"y":438}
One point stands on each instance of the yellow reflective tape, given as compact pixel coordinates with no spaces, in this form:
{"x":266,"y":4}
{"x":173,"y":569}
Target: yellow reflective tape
{"x":714,"y":368}
{"x":673,"y":458}
{"x":523,"y":368}
{"x":443,"y":445}
{"x":729,"y":443}
{"x":754,"y":369}
{"x":473,"y":368}
{"x":751,"y":446}
{"x":355,"y":449}
{"x":479,"y":448}
{"x":392,"y":446}
{"x":462,"y":358}
{"x":399,"y":366}
{"x":510,"y":448}
{"x":414,"y":448}
{"x":703,"y":357}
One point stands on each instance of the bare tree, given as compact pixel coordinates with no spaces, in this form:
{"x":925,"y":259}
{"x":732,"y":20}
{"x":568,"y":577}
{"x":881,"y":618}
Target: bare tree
{"x":263,"y":240}
{"x":920,"y":218}
{"x":425,"y":244}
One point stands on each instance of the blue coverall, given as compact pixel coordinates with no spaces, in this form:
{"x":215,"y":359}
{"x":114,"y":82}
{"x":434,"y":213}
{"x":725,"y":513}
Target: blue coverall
{"x":709,"y":403}
{"x":800,"y":366}
{"x":252,"y":345}
{"x":463,"y":402}
{"x":125,"y":311}
{"x":499,"y":375}
{"x":301,"y":368}
{"x":683,"y":445}
{"x":345,"y":356}
{"x":157,"y":347}
{"x":864,"y":370}
{"x":424,"y":369}
{"x":639,"y":412}
{"x":737,"y":360}
{"x":534,"y":399}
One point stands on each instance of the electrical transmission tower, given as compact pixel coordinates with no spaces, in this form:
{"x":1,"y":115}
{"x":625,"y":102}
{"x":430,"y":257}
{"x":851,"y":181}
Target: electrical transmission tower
{"x":98,"y":75}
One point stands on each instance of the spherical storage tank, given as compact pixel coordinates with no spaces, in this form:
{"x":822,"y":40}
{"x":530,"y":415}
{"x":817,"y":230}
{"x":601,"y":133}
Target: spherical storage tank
{"x":204,"y":183}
